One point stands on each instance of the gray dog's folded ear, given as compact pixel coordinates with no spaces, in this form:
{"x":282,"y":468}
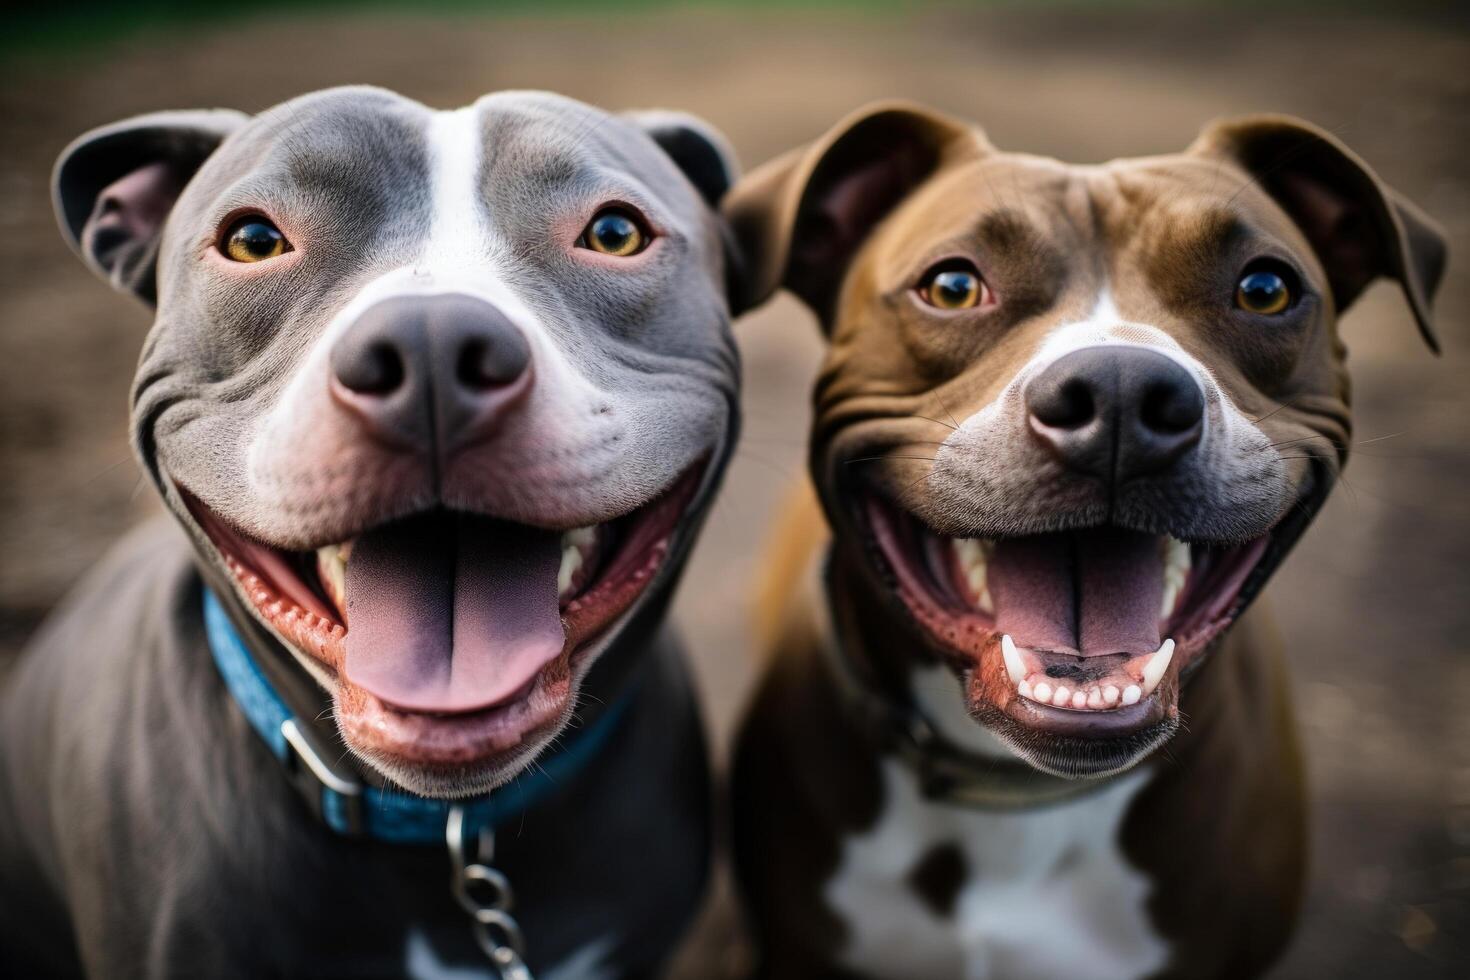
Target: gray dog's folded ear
{"x":801,"y":218}
{"x":1359,"y":227}
{"x":113,"y":189}
{"x":695,"y":146}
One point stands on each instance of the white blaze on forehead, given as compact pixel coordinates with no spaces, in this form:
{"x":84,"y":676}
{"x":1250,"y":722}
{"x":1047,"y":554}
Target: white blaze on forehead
{"x":463,"y":254}
{"x":1107,"y":326}
{"x":458,"y":236}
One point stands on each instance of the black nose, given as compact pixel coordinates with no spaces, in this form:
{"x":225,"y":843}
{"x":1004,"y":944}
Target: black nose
{"x":1116,"y":412}
{"x":431,"y":372}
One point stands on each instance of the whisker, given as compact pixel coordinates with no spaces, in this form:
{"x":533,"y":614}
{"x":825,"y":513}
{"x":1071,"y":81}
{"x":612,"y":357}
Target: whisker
{"x":936,"y":421}
{"x":940,"y":400}
{"x":1284,"y":405}
{"x":869,"y":459}
{"x":1364,"y":442}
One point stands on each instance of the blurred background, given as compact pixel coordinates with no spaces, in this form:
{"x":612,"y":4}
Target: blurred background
{"x":1375,"y":602}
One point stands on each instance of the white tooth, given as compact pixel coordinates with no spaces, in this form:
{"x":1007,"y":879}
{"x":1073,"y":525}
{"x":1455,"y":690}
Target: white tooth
{"x":1176,"y":558}
{"x":575,"y":544}
{"x":973,"y":555}
{"x":1153,"y":671}
{"x":331,"y":567}
{"x":1024,"y":689}
{"x":1062,"y":697}
{"x":1171,"y":596}
{"x":1043,"y":692}
{"x":1110,"y":694}
{"x":1013,"y":659}
{"x":571,"y":561}
{"x":1131,"y":694}
{"x":1079,"y":700}
{"x":1094,"y":698}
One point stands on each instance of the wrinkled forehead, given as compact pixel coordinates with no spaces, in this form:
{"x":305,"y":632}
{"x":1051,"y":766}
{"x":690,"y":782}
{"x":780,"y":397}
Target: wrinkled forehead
{"x":370,"y":150}
{"x":1005,"y":202}
{"x":1014,"y":205}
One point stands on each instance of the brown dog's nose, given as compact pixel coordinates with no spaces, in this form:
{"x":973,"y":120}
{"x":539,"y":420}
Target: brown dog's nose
{"x":430,"y":372}
{"x":1116,"y":412}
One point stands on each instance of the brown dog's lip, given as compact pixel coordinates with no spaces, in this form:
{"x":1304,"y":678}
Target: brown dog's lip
{"x":486,"y":738}
{"x":970,"y":640}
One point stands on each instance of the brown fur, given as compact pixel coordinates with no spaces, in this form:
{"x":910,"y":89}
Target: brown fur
{"x":849,"y":224}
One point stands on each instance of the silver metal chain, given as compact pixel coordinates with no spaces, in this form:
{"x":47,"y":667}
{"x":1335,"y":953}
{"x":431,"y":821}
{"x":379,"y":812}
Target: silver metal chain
{"x":485,"y":894}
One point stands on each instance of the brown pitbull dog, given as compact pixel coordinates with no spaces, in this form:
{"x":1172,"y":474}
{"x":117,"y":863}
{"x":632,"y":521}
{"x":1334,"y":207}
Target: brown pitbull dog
{"x":1071,"y":419}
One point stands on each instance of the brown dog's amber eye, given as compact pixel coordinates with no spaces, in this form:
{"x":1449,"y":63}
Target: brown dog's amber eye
{"x":613,"y":231}
{"x":254,"y":239}
{"x":1264,"y":292}
{"x":954,"y":288}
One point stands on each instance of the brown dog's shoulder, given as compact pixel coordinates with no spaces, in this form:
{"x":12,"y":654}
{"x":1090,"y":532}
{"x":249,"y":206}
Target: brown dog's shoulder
{"x":789,"y":588}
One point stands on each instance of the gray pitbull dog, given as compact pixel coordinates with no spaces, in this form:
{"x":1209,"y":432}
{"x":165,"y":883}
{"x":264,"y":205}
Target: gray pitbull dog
{"x":439,"y":399}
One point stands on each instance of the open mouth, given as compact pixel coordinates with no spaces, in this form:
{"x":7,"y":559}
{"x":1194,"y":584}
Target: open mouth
{"x":448,"y":619}
{"x":1082,"y":633}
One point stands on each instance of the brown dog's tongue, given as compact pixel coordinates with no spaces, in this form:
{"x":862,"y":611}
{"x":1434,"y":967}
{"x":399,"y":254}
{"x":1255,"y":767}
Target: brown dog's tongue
{"x":1096,"y":591}
{"x":450,"y":613}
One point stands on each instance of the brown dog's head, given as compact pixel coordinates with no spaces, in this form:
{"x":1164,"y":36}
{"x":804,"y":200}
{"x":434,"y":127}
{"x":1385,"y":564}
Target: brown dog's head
{"x":1072,"y":417}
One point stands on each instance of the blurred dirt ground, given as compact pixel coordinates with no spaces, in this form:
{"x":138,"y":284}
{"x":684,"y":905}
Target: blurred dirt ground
{"x":1374,"y":601}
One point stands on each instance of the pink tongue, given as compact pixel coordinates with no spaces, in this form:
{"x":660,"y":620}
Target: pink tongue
{"x":1092,"y":592}
{"x":451,"y":613}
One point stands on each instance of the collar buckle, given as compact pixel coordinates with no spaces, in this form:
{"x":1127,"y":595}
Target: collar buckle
{"x":334,"y":796}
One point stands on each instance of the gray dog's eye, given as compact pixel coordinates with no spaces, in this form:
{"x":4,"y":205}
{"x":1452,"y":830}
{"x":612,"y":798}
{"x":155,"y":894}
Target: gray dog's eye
{"x":614,"y":231}
{"x":253,"y":239}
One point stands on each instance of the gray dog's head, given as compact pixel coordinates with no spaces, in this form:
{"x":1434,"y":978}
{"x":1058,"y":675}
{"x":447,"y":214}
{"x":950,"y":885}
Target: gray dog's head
{"x":442,"y":394}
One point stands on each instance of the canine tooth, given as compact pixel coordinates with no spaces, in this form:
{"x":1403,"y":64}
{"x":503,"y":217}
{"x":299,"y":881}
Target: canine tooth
{"x":1043,"y":692}
{"x":1171,"y":596}
{"x":1079,"y":700}
{"x":1110,"y":694}
{"x":571,"y":562}
{"x":973,"y":555}
{"x":1062,"y":697}
{"x":1094,"y":698}
{"x":331,"y":567}
{"x":1153,"y":671}
{"x":1176,"y":559}
{"x":1024,"y":689}
{"x":1012,"y":657}
{"x":576,"y":544}
{"x":1131,"y":694}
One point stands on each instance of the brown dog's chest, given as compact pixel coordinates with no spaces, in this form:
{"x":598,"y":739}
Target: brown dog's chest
{"x":947,"y":890}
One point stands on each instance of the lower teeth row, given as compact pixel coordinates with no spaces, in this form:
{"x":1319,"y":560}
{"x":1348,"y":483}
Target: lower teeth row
{"x":1095,"y":696}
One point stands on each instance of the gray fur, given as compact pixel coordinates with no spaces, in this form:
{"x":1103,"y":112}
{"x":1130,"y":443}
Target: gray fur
{"x":144,"y":828}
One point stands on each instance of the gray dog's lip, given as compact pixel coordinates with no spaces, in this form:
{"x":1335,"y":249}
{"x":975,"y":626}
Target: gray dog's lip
{"x":285,"y":592}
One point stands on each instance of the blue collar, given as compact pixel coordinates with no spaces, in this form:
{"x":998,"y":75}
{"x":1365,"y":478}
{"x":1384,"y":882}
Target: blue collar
{"x":345,"y":803}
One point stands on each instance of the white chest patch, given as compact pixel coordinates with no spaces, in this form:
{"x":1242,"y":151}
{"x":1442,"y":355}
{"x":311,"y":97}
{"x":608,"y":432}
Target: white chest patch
{"x":1045,"y":893}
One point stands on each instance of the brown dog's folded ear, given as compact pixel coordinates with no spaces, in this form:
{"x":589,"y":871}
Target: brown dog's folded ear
{"x":113,"y":189}
{"x":1359,"y":227}
{"x":800,"y":219}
